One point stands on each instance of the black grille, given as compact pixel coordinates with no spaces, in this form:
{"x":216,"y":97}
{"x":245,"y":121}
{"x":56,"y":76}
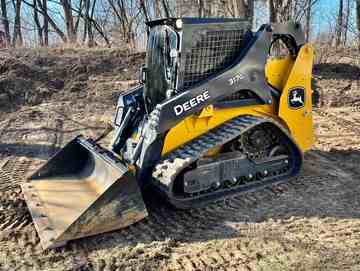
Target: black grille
{"x":210,"y":54}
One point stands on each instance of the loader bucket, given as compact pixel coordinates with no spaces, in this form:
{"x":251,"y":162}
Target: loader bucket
{"x":82,"y":190}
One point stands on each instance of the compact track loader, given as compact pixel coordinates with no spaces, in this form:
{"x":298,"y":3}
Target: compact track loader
{"x":215,"y":115}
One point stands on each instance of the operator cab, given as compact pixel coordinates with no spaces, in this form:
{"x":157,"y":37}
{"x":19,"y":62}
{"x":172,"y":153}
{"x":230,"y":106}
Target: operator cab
{"x":181,"y":53}
{"x":161,"y":64}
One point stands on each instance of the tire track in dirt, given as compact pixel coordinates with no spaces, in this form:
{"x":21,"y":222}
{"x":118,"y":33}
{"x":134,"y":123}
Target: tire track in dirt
{"x":14,"y":214}
{"x":163,"y":226}
{"x":164,"y":221}
{"x":222,"y":258}
{"x":341,"y":121}
{"x":136,"y":233}
{"x":13,"y":172}
{"x":4,"y":127}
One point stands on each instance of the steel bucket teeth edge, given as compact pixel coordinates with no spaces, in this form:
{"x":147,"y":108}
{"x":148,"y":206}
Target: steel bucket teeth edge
{"x":82,"y":190}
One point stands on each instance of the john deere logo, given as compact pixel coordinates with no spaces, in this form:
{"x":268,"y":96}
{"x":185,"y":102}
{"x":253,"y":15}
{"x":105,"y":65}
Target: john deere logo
{"x":296,"y":98}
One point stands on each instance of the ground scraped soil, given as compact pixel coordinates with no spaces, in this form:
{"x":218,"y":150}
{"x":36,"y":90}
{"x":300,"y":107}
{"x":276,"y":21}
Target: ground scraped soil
{"x":310,"y":223}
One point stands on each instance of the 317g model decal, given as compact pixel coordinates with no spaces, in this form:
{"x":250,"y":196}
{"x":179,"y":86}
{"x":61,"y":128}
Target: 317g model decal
{"x":296,"y":98}
{"x":236,"y":79}
{"x":181,"y":108}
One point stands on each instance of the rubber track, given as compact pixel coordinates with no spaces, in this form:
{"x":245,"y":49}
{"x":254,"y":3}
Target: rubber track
{"x":167,"y":169}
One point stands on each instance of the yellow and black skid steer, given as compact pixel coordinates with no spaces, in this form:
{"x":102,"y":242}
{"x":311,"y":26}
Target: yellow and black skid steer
{"x":215,"y":115}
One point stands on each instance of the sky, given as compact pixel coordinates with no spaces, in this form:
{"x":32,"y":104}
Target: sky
{"x":324,"y":12}
{"x":324,"y":9}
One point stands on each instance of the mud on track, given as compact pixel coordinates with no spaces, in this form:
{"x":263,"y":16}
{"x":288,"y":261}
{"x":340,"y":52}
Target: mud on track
{"x":312,"y":222}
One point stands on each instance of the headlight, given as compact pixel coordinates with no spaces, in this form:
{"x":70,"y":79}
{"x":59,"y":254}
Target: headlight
{"x":179,"y":24}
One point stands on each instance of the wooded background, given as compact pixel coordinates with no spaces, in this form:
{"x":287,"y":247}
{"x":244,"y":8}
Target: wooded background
{"x":121,"y":23}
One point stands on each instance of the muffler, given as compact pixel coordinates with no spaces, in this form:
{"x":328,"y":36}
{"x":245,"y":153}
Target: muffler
{"x":82,"y":190}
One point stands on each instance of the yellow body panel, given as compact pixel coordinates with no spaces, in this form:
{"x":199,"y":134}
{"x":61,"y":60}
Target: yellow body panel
{"x":277,"y":71}
{"x":300,"y":120}
{"x":283,"y":74}
{"x":196,"y":125}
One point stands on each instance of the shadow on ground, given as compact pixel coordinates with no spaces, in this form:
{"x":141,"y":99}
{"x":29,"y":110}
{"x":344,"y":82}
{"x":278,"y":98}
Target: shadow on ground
{"x":340,"y":71}
{"x":29,"y":150}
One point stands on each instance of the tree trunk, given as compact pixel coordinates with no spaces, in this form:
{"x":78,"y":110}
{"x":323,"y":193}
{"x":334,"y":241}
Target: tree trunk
{"x":79,"y":16}
{"x":166,"y":8}
{"x":201,"y":8}
{"x":86,"y":19}
{"x":250,"y":11}
{"x":346,"y":22}
{"x":5,"y":22}
{"x":69,"y":20}
{"x":51,"y":22}
{"x":91,"y":42}
{"x":339,"y":24}
{"x":308,"y":20}
{"x":146,"y":15}
{"x":43,"y":10}
{"x":144,"y":10}
{"x":358,"y":20}
{"x":38,"y":25}
{"x":243,"y":9}
{"x":158,"y":9}
{"x":280,"y":10}
{"x":17,"y":37}
{"x":273,"y":15}
{"x":46,"y":24}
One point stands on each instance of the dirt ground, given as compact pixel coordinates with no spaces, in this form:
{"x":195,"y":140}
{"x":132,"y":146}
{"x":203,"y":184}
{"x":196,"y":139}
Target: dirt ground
{"x":310,"y":223}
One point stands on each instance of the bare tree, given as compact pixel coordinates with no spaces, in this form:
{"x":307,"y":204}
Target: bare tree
{"x":280,"y":10}
{"x":201,"y":8}
{"x":5,"y":21}
{"x":17,"y":36}
{"x":88,"y":33}
{"x":339,"y":24}
{"x":90,"y":23}
{"x":308,"y":19}
{"x":121,"y":10}
{"x":38,"y":24}
{"x":157,"y":7}
{"x":69,"y":20}
{"x":166,"y":8}
{"x":305,"y":8}
{"x":40,"y":8}
{"x":216,"y":8}
{"x":46,"y":24}
{"x":346,"y":21}
{"x":242,"y":9}
{"x":86,"y":17}
{"x":144,"y":10}
{"x":358,"y":20}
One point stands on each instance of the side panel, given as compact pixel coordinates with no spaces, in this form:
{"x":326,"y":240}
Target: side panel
{"x":277,"y":71}
{"x":196,"y":125}
{"x":295,"y":102}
